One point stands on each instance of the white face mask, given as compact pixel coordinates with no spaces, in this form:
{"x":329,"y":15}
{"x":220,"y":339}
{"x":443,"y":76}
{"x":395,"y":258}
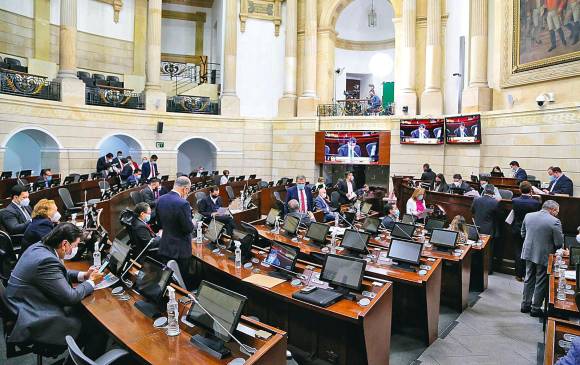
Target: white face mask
{"x":24,"y":202}
{"x":420,"y":197}
{"x":55,"y":217}
{"x":72,"y":253}
{"x":457,"y":183}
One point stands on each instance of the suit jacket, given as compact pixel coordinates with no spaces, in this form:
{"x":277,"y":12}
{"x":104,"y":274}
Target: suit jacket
{"x":342,"y":189}
{"x":141,"y":234}
{"x":441,"y":188}
{"x":542,"y":235}
{"x":36,"y":230}
{"x":126,"y":172}
{"x":322,"y":205}
{"x":466,"y":132}
{"x":428,"y":175}
{"x":521,"y":174}
{"x":521,"y":206}
{"x":102,"y":164}
{"x":206,"y":206}
{"x":464,"y":186}
{"x":572,"y":356}
{"x":416,"y":133}
{"x":146,"y":169}
{"x":14,"y":220}
{"x":303,"y":218}
{"x":292,"y":193}
{"x":562,"y":186}
{"x":485,"y":210}
{"x":40,"y":290}
{"x":149,"y":196}
{"x":132,"y":179}
{"x":343,"y":150}
{"x":46,"y":182}
{"x":174,"y":216}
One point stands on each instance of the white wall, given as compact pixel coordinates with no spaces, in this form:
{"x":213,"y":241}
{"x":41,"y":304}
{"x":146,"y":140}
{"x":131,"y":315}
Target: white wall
{"x":216,"y":32}
{"x":21,"y":7}
{"x":177,"y":37}
{"x":194,"y":153}
{"x":352,"y":24}
{"x":457,"y":26}
{"x":115,"y":143}
{"x":260,"y":68}
{"x":97,"y":18}
{"x":31,"y":150}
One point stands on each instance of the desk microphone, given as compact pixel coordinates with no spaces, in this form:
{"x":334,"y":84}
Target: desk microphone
{"x":354,"y":229}
{"x":402,"y":230}
{"x":136,"y":259}
{"x":476,"y":230}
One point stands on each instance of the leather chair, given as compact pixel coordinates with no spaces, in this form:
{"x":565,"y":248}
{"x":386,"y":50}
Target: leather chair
{"x":335,"y":199}
{"x":69,"y":205}
{"x":15,"y":64}
{"x":136,"y":197}
{"x":200,"y":195}
{"x":79,"y":358}
{"x":126,"y":218}
{"x":8,"y":257}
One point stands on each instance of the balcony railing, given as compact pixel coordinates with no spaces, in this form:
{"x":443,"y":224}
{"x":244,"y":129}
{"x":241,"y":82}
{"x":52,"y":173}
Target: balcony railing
{"x":353,"y":107}
{"x":192,"y":104}
{"x":114,"y":97}
{"x":32,"y":86}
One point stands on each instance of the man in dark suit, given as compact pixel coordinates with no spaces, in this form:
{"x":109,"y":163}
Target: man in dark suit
{"x":428,"y":175}
{"x":521,"y":206}
{"x":104,"y":163}
{"x":459,"y":183}
{"x":351,"y":149}
{"x":372,"y":151}
{"x":40,"y":290}
{"x":118,"y":161}
{"x":149,"y":168}
{"x":141,"y":232}
{"x":561,"y":183}
{"x":45,"y":176}
{"x":151,"y":193}
{"x":485,"y":210}
{"x":134,"y":178}
{"x":462,"y":131}
{"x":421,"y":132}
{"x":17,"y":215}
{"x":302,"y":194}
{"x":126,"y":171}
{"x":174,"y":217}
{"x":209,"y":206}
{"x":346,"y":188}
{"x":518,"y":172}
{"x":321,"y":203}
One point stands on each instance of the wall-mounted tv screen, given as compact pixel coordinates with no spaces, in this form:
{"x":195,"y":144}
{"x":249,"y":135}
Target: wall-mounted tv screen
{"x":422,"y":131}
{"x":464,"y":129}
{"x":353,"y":148}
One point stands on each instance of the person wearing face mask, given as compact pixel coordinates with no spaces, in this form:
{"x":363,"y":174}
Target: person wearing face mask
{"x":174,"y":217}
{"x":392,"y":216}
{"x":346,"y":188}
{"x":150,"y":169}
{"x":302,"y":194}
{"x":559,"y":183}
{"x":518,"y":172}
{"x":104,"y":164}
{"x":521,"y":206}
{"x":17,"y":215}
{"x":40,"y":291}
{"x":141,"y":232}
{"x":209,"y":208}
{"x":45,"y":216}
{"x":134,"y":178}
{"x":416,"y":204}
{"x":458,"y":183}
{"x":152,"y":192}
{"x":323,"y":204}
{"x":45,"y":176}
{"x":440,"y":185}
{"x":542,"y":234}
{"x":483,"y":182}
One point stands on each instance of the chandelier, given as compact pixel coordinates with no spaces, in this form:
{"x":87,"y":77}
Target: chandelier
{"x":372,"y":16}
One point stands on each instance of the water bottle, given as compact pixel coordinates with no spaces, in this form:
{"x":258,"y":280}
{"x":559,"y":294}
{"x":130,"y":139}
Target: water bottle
{"x":336,"y":219}
{"x":562,"y":286}
{"x":238,"y":254}
{"x":333,"y":243}
{"x":277,"y":226}
{"x":96,"y":255}
{"x":199,"y":233}
{"x":172,"y":314}
{"x":558,"y":261}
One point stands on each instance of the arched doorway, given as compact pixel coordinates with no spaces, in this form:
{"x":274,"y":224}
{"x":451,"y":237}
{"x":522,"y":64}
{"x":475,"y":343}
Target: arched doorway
{"x":195,"y":152}
{"x":121,"y":142}
{"x":31,"y":149}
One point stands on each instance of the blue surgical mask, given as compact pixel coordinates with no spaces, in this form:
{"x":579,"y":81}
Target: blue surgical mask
{"x":147,"y":218}
{"x":552,"y":178}
{"x":300,"y":186}
{"x":49,"y":178}
{"x":396,"y":214}
{"x":420,"y":197}
{"x":25,"y":202}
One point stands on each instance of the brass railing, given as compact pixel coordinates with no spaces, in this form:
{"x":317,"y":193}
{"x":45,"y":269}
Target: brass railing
{"x":353,"y":107}
{"x":32,"y":86}
{"x":114,"y":97}
{"x":192,"y":104}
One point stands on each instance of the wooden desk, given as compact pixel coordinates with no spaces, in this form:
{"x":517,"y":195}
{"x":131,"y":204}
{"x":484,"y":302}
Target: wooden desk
{"x":134,"y":331}
{"x":267,"y":197}
{"x":480,"y":259}
{"x":416,"y":297}
{"x":560,"y":308}
{"x":238,"y":186}
{"x":508,"y":181}
{"x":344,"y":331}
{"x":555,"y":332}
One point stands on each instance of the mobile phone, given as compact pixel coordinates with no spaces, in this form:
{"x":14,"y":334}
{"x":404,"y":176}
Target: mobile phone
{"x":103,"y":267}
{"x":307,"y":289}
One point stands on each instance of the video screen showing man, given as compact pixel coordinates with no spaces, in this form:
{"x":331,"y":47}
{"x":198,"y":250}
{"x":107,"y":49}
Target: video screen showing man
{"x":422,"y":131}
{"x":351,"y":147}
{"x":464,"y":129}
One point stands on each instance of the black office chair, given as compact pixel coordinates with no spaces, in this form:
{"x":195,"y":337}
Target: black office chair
{"x":79,"y":358}
{"x":199,"y":196}
{"x":230,"y":192}
{"x":126,"y":218}
{"x":136,"y":197}
{"x":506,"y":194}
{"x":278,"y":202}
{"x":8,"y":257}
{"x":69,"y":205}
{"x":335,"y":199}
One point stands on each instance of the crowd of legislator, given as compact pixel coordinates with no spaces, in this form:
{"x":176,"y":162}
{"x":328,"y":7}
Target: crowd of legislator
{"x":39,"y":287}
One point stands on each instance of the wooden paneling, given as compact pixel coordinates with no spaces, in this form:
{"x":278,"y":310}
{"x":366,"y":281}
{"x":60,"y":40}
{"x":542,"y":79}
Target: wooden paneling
{"x":319,"y":156}
{"x":384,"y":148}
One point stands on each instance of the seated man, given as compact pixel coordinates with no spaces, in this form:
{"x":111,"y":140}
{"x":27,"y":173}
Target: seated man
{"x":46,"y":177}
{"x":321,"y":203}
{"x":421,"y":132}
{"x":462,"y":131}
{"x":294,"y":211}
{"x":351,"y":149}
{"x":561,"y":184}
{"x":392,"y":216}
{"x":141,"y":232}
{"x":134,"y":178}
{"x":458,"y":183}
{"x":483,"y":181}
{"x":40,"y":291}
{"x":209,"y":206}
{"x":17,"y":215}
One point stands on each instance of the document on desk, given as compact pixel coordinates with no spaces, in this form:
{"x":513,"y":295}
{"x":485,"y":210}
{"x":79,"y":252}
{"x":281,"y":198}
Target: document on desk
{"x":263,"y":280}
{"x":108,"y":281}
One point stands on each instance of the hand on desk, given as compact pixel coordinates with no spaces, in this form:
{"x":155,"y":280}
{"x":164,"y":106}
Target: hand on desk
{"x":94,"y":275}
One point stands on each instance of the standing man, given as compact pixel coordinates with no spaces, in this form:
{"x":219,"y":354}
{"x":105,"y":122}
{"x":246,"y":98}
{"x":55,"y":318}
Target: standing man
{"x":346,"y":188}
{"x":428,"y":175}
{"x":104,"y":164}
{"x":518,"y":172}
{"x":149,"y":169}
{"x":485,"y":209}
{"x":300,"y":193}
{"x":174,"y":217}
{"x":555,"y":9}
{"x":209,"y":207}
{"x":542,"y":233}
{"x":151,"y":192}
{"x":17,"y":215}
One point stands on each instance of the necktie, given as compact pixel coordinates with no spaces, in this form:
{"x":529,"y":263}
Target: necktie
{"x":156,"y":194}
{"x":150,"y":230}
{"x":302,"y":202}
{"x":151,"y":169}
{"x":26,"y":215}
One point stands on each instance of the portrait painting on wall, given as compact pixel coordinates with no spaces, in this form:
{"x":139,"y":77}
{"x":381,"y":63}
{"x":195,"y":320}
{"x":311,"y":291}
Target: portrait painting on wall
{"x":546,"y":33}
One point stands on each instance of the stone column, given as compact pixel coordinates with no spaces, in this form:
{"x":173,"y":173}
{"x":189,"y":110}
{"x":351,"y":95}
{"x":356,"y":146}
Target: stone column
{"x":478,"y":95}
{"x":308,"y":101}
{"x":287,"y":104}
{"x":155,"y":99}
{"x":407,"y":96}
{"x":432,"y":98}
{"x":140,"y":38}
{"x":230,"y":102}
{"x":72,"y":89}
{"x":42,"y":30}
{"x":325,"y":65}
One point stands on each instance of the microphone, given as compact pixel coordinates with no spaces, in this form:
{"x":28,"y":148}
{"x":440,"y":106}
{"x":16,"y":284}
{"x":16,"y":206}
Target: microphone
{"x":353,"y":228}
{"x":476,"y":230}
{"x":244,"y":348}
{"x":402,"y":230}
{"x":135,"y":260}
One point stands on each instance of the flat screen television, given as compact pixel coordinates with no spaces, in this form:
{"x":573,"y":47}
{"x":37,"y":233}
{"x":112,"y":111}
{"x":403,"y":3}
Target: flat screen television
{"x":353,"y":148}
{"x":422,"y":131}
{"x":464,"y":129}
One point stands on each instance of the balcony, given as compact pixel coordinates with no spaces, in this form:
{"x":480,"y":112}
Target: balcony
{"x":114,"y":97}
{"x":192,"y":104}
{"x":353,"y":107}
{"x":24,"y":84}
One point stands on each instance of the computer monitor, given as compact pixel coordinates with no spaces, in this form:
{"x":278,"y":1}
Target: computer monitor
{"x":282,"y":257}
{"x":473,"y":233}
{"x":54,"y":182}
{"x":317,"y":232}
{"x":83,"y":177}
{"x":456,"y":190}
{"x":5,"y":175}
{"x":246,"y":239}
{"x":343,"y":271}
{"x":152,"y":280}
{"x":272,"y":217}
{"x":38,"y":185}
{"x":403,"y":230}
{"x":270,"y":184}
{"x":574,"y":256}
{"x":204,"y":173}
{"x":408,"y":219}
{"x":355,"y":241}
{"x":475,"y":179}
{"x":350,"y":217}
{"x":444,"y":239}
{"x":118,"y":256}
{"x":214,"y":230}
{"x":231,"y":179}
{"x":24,"y":173}
{"x":164,"y":177}
{"x":366,"y":208}
{"x":253,"y":176}
{"x":570,"y":241}
{"x":371,"y":225}
{"x":68,"y":180}
{"x":433,"y":223}
{"x":405,"y":252}
{"x":225,"y":306}
{"x":290,"y":225}
{"x":241,"y":178}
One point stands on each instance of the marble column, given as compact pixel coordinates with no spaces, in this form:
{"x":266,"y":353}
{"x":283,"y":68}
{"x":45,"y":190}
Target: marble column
{"x":432,"y":98}
{"x":72,"y":89}
{"x":325,"y":65}
{"x":308,"y":101}
{"x":42,"y":30}
{"x":478,"y":95}
{"x":407,"y":96}
{"x":155,"y":99}
{"x":287,"y":104}
{"x":230,"y":102}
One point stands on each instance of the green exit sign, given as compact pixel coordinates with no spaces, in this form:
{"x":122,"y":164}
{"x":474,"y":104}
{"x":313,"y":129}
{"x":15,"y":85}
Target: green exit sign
{"x":160,"y":144}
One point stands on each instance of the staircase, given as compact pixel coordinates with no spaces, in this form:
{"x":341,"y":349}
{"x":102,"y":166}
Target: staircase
{"x":189,"y":79}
